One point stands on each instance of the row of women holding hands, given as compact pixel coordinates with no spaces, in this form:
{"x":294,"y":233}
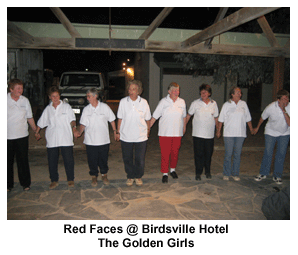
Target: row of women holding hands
{"x":133,"y":129}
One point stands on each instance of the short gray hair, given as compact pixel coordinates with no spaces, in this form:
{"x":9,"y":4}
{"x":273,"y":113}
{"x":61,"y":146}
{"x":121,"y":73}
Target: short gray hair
{"x":94,"y":92}
{"x":173,"y":85}
{"x":135,"y":82}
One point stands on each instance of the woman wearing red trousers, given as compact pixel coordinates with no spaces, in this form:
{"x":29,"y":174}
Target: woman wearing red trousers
{"x":172,"y":113}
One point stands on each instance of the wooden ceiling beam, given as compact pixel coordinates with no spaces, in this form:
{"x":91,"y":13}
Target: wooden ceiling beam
{"x":234,"y":20}
{"x":221,"y":14}
{"x":65,"y":22}
{"x":19,"y":33}
{"x":156,"y":22}
{"x":153,"y":46}
{"x":268,"y":31}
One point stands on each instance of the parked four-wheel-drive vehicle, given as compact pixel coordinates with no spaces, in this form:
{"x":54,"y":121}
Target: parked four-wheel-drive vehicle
{"x":74,"y":85}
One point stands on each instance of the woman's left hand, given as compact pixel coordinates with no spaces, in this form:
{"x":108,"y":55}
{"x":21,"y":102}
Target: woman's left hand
{"x":76,"y":133}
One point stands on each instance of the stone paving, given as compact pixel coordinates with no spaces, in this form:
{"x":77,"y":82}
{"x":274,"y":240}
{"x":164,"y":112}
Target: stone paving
{"x":180,"y":199}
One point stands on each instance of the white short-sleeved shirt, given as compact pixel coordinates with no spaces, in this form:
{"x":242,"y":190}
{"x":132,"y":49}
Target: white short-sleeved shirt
{"x":134,"y":115}
{"x":95,"y":120}
{"x":18,"y":112}
{"x":234,"y":116}
{"x":171,"y":116}
{"x":203,"y":123}
{"x":57,"y":121}
{"x":276,"y":125}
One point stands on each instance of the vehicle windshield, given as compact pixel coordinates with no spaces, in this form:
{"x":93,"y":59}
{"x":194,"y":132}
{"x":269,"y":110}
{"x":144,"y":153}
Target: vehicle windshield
{"x":80,"y":80}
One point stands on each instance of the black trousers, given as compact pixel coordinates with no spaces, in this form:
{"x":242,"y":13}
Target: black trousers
{"x":53,"y":157}
{"x":18,"y":148}
{"x":134,"y":158}
{"x":98,"y":158}
{"x":203,"y":150}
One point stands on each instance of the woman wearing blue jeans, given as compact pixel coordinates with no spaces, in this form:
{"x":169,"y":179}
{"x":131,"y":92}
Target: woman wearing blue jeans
{"x":277,"y":130}
{"x":234,"y":114}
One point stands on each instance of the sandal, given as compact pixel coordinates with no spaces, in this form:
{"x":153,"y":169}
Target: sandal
{"x":26,"y":188}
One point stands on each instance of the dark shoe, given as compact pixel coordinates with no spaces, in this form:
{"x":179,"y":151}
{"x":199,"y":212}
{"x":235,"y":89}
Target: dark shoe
{"x":165,"y":179}
{"x":174,"y":175}
{"x":208,"y":176}
{"x":105,"y":179}
{"x":94,"y":181}
{"x":53,"y":185}
{"x":70,"y":184}
{"x":198,"y":177}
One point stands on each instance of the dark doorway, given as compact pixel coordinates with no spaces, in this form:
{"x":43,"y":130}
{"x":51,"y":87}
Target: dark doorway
{"x":254,"y":98}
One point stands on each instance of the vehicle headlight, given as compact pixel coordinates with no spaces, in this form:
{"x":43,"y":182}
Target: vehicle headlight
{"x":65,"y":100}
{"x":81,"y":101}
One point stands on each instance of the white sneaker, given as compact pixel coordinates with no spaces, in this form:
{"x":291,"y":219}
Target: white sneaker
{"x":226,"y":178}
{"x":236,"y":178}
{"x":139,"y":182}
{"x":277,"y":180}
{"x":260,"y":177}
{"x":129,"y":182}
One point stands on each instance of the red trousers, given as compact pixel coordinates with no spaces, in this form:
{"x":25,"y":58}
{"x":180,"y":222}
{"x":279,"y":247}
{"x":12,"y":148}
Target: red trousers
{"x":169,"y":148}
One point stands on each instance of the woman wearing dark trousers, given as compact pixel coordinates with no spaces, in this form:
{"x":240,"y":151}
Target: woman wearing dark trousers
{"x":133,"y":131}
{"x":59,"y":120}
{"x":19,"y":113}
{"x":205,"y":112}
{"x":94,"y":122}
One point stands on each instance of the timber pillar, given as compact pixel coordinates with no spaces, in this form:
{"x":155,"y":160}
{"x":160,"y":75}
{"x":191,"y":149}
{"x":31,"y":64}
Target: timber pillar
{"x":278,"y":79}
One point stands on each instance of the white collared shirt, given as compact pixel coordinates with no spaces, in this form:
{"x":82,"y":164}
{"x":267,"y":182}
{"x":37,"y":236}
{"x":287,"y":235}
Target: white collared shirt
{"x":95,"y":120}
{"x":18,"y":112}
{"x":171,"y":116}
{"x":234,"y":116}
{"x":134,"y":115}
{"x":203,"y":123}
{"x":57,"y":121}
{"x":276,"y":125}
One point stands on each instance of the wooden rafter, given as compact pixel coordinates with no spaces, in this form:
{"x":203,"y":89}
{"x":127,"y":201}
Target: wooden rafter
{"x":18,"y":33}
{"x":154,"y":46}
{"x":222,"y":12}
{"x":17,"y":38}
{"x":268,"y":31}
{"x":236,"y":19}
{"x":156,"y":22}
{"x":65,"y":22}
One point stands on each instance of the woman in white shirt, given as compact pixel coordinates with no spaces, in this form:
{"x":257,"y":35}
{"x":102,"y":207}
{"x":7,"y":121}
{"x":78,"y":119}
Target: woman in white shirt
{"x":171,"y":112}
{"x":133,"y":131}
{"x":234,"y":114}
{"x":205,"y":119}
{"x":94,"y":122}
{"x":59,"y":119}
{"x":19,"y":114}
{"x":277,"y":130}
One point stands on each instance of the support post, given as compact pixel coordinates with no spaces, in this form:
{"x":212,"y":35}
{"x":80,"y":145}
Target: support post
{"x":278,"y":79}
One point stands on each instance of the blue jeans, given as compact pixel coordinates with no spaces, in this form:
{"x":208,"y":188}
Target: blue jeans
{"x":233,"y":148}
{"x":281,"y":150}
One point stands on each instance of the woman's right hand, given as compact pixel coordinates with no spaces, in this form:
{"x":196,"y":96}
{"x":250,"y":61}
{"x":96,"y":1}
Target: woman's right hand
{"x":37,"y":136}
